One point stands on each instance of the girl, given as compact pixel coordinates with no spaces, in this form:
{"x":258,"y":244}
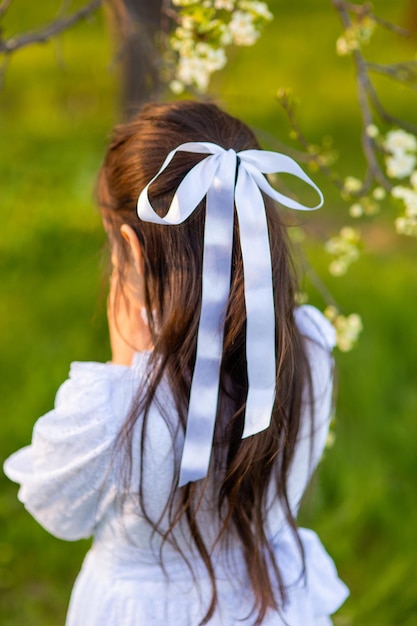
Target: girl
{"x":186,"y":457}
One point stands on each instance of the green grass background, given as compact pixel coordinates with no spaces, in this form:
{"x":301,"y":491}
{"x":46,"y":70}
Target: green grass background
{"x":57,"y":106}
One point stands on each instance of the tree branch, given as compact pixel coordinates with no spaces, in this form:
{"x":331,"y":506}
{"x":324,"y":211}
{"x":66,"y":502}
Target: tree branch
{"x":4,"y":6}
{"x":359,"y":9}
{"x":366,"y":92}
{"x":367,"y":9}
{"x":374,"y":169}
{"x":317,"y":159}
{"x":402,"y":72}
{"x":47,"y":32}
{"x":383,"y":113}
{"x":399,"y":30}
{"x":317,"y":282}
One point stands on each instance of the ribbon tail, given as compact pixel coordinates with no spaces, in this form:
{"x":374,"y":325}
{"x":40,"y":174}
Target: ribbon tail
{"x":218,"y":243}
{"x":259,"y":300}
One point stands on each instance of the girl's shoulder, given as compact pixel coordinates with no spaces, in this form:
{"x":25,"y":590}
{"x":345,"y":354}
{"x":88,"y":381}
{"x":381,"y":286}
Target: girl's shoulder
{"x":313,"y":325}
{"x":319,"y":339}
{"x":64,"y":473}
{"x":90,"y":382}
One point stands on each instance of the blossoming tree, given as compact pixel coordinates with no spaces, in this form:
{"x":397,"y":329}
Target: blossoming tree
{"x":179,"y":44}
{"x":200,"y":40}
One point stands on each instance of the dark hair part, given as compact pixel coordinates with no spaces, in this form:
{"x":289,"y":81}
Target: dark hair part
{"x":241,"y":470}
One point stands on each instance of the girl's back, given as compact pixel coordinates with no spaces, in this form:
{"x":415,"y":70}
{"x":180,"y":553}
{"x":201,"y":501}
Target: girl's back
{"x":106,"y":461}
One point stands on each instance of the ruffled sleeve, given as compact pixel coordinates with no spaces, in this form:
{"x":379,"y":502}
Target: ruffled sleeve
{"x":319,"y":340}
{"x":64,"y":474}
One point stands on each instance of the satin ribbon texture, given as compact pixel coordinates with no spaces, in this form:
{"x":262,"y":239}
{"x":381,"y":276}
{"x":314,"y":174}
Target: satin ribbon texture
{"x":215,"y":177}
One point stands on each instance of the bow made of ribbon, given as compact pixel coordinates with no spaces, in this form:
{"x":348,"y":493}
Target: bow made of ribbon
{"x":215,"y":177}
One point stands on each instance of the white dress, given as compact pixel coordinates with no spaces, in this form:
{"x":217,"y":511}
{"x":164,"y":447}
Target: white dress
{"x":68,"y":486}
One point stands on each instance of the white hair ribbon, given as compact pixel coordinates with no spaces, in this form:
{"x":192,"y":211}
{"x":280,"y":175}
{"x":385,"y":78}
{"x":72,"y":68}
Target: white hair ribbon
{"x":215,"y":177}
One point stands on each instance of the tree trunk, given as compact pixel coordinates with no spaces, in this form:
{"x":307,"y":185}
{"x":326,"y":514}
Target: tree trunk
{"x":138,"y":23}
{"x":411,"y":17}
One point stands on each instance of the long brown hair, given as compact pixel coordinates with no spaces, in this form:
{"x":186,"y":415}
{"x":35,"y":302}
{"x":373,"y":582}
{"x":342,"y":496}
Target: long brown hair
{"x":241,"y":470}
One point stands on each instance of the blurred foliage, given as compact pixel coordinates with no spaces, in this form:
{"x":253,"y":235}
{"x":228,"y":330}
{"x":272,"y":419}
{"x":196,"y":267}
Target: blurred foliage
{"x":57,"y":106}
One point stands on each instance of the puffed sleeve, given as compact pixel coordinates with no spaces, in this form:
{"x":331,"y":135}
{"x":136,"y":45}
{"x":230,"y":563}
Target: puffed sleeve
{"x":319,"y":339}
{"x":64,"y":474}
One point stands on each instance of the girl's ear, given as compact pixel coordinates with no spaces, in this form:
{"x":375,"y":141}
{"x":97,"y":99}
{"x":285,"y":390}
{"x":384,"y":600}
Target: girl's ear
{"x":135,"y":248}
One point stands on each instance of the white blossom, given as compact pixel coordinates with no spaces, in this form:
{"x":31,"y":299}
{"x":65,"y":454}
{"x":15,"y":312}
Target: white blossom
{"x":345,"y":47}
{"x":379,"y":193}
{"x":344,"y":247}
{"x":301,"y":297}
{"x":349,"y":234}
{"x":372,"y":131}
{"x":400,"y":141}
{"x":187,"y":22}
{"x":196,"y":68}
{"x":214,"y":58}
{"x":408,"y":196}
{"x":348,"y":328}
{"x":227,"y":5}
{"x":197,"y":59}
{"x":193,"y":70}
{"x":338,"y":267}
{"x":356,"y":210}
{"x":225,"y":37}
{"x":242,"y":29}
{"x":400,"y":164}
{"x":352,"y":184}
{"x":183,"y":41}
{"x":410,"y":201}
{"x":411,"y":209}
{"x":176,"y":86}
{"x":260,"y":9}
{"x":331,"y":312}
{"x":401,"y":224}
{"x":406,"y":226}
{"x":354,"y":36}
{"x":399,"y":192}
